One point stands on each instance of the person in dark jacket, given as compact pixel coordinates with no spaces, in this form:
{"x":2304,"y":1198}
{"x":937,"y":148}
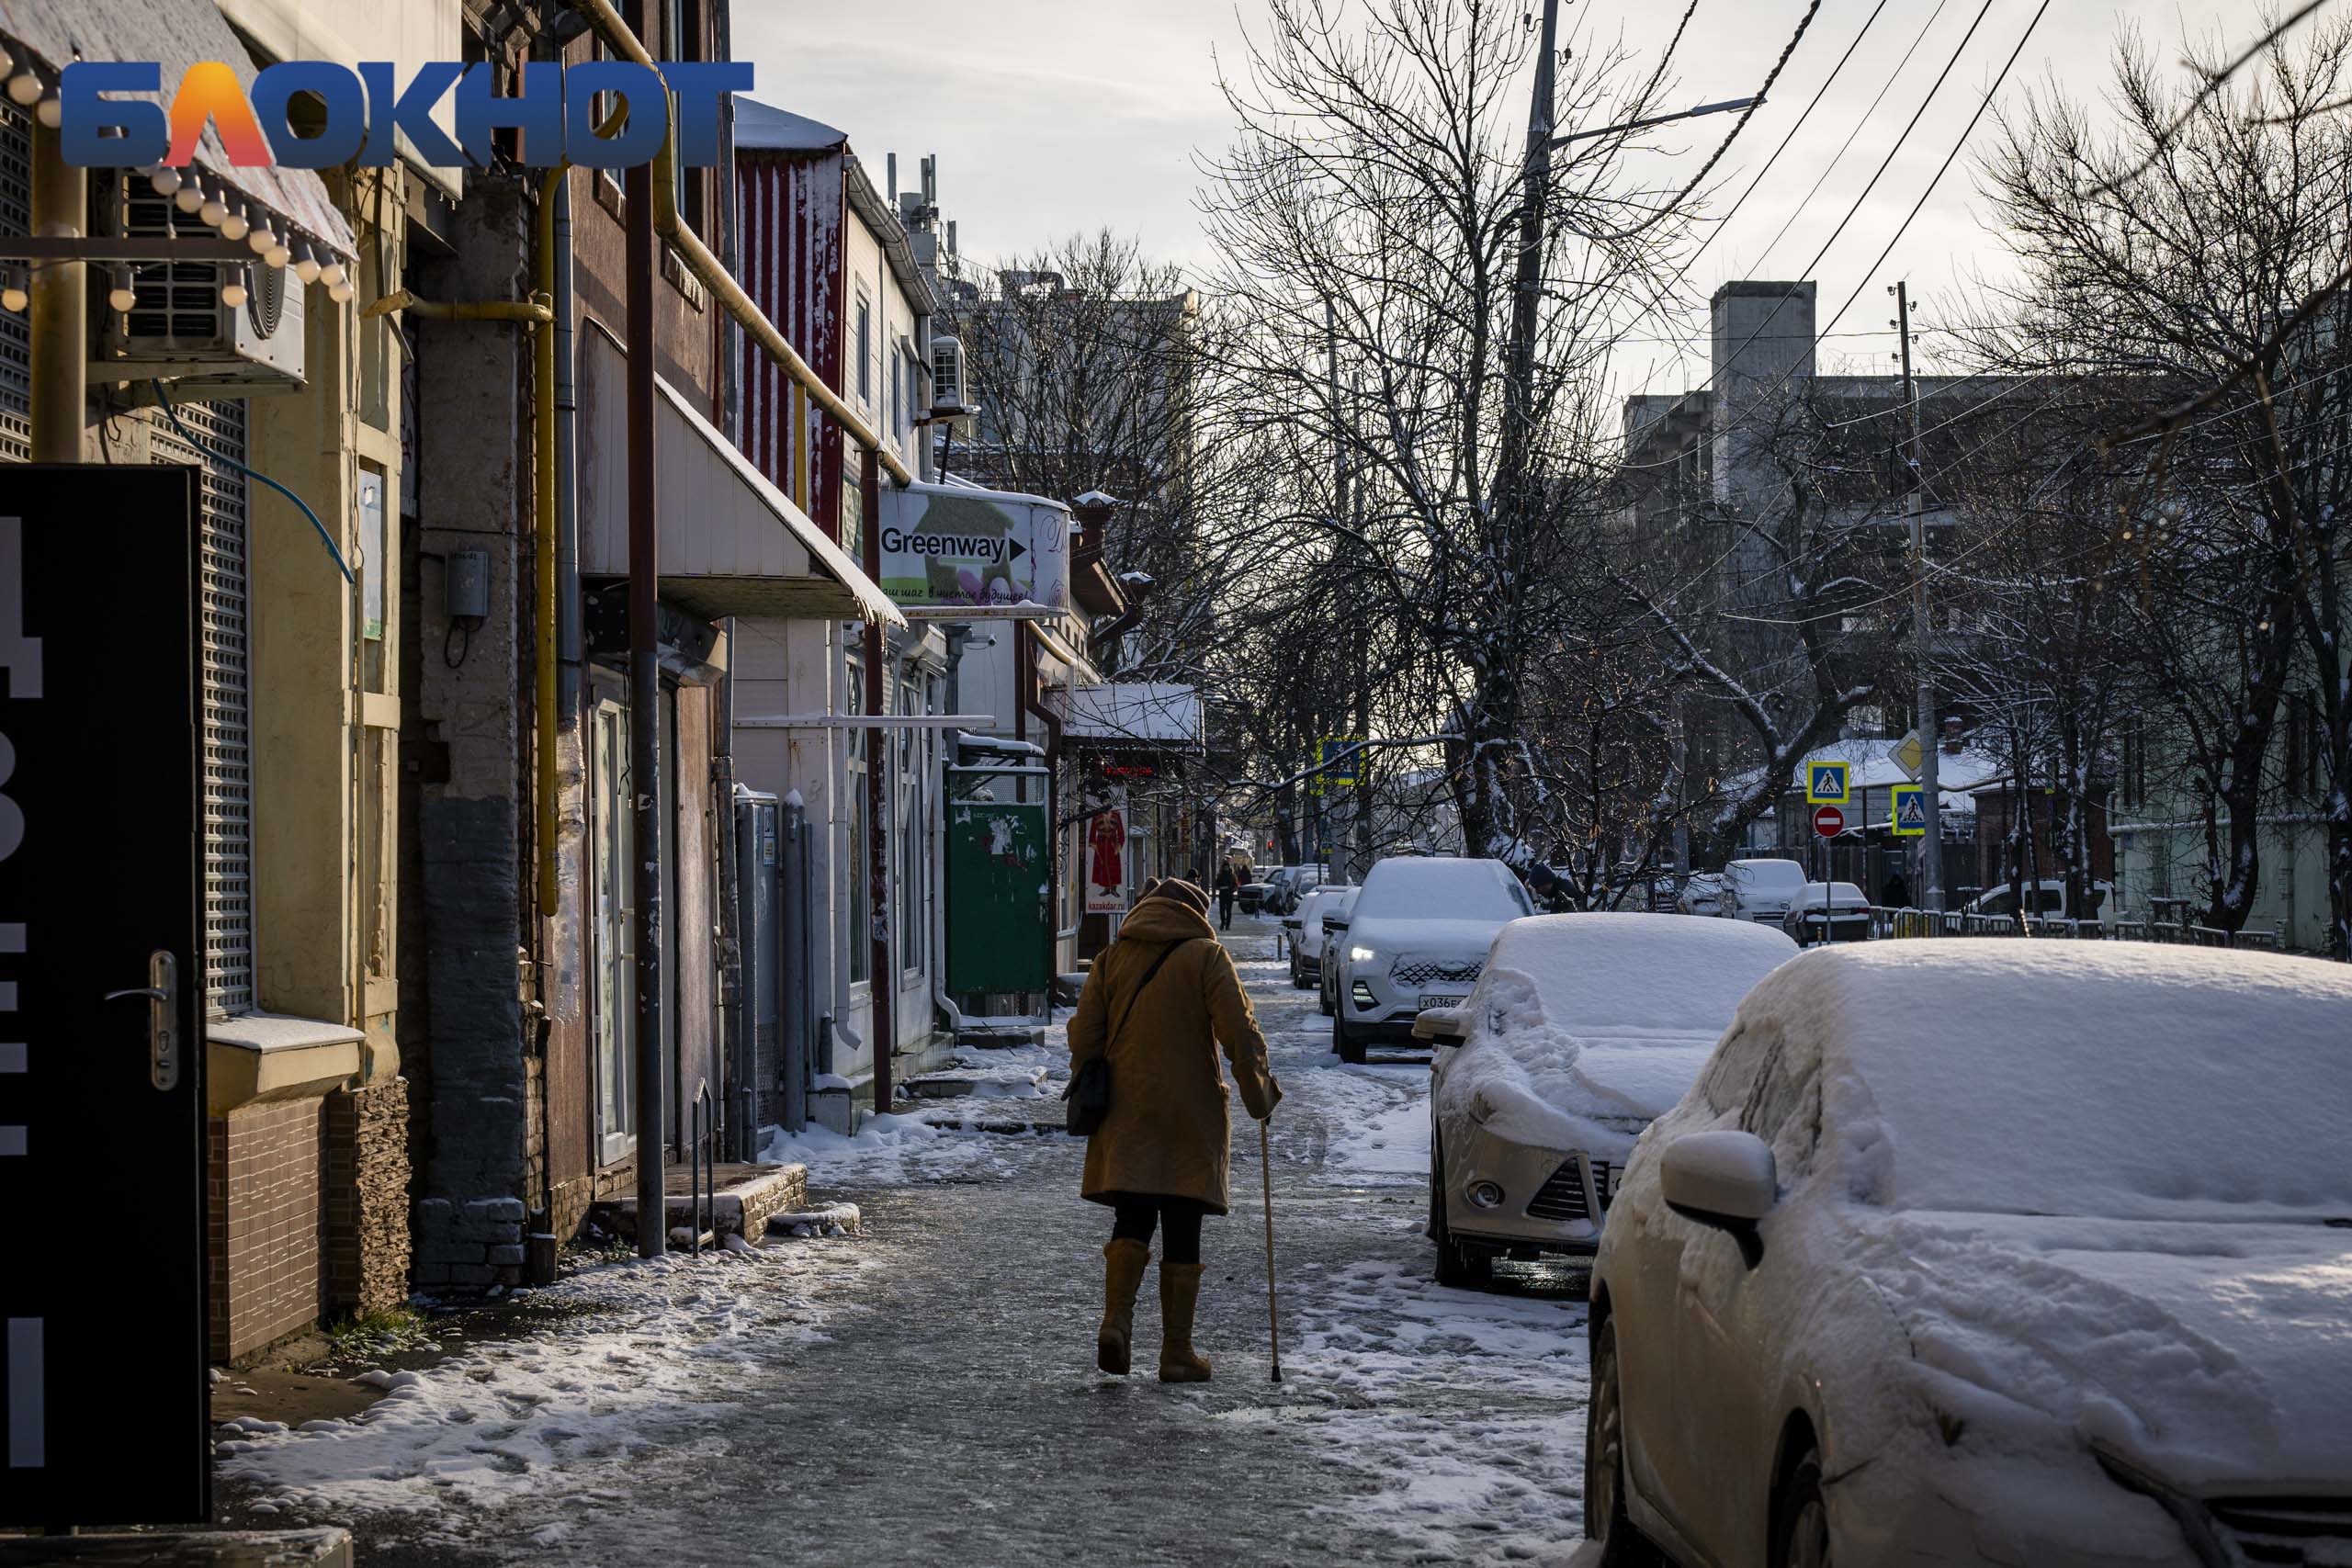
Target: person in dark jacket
{"x":1161,"y":1158}
{"x":1229,"y":888}
{"x":1896,"y":892}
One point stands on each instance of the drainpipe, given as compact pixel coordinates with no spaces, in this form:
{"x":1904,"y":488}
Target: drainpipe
{"x":1030,"y":703}
{"x":730,"y":339}
{"x":881,"y":971}
{"x":567,"y":464}
{"x":645,"y":709}
{"x":61,"y":303}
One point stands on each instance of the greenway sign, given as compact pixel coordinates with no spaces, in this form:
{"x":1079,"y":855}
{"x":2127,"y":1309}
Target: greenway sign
{"x":366,"y":109}
{"x":976,"y":554}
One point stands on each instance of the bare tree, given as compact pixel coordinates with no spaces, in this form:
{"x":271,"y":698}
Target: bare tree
{"x":2203,"y":248}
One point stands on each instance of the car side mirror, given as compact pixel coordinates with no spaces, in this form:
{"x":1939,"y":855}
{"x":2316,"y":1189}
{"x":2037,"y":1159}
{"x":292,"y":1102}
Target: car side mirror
{"x":1442,"y":1026}
{"x":1335,"y":922}
{"x":1293,"y":922}
{"x":1723,"y":1179}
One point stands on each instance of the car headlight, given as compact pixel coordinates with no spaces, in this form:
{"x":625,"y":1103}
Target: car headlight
{"x":1361,"y":955}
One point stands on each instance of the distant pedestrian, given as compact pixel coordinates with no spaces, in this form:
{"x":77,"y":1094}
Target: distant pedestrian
{"x":1895,"y":894}
{"x":1229,"y":888}
{"x":1156,"y":1005}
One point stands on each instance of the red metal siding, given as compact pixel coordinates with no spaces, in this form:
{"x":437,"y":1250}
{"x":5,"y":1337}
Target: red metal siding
{"x":793,"y":206}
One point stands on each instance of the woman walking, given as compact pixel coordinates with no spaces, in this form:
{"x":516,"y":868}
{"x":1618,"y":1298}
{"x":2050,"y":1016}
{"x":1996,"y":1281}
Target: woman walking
{"x":1156,"y":1005}
{"x":1229,"y":888}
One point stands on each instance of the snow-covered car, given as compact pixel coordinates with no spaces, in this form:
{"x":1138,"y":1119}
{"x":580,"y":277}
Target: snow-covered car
{"x":1701,"y":893}
{"x":2046,"y":897}
{"x":1837,"y":911}
{"x":1294,"y":885}
{"x":1253,"y":895}
{"x":1760,"y":890}
{"x":1303,"y":932}
{"x":1582,"y":1028}
{"x":1335,"y":931}
{"x":1417,"y":937}
{"x":1986,"y":1251}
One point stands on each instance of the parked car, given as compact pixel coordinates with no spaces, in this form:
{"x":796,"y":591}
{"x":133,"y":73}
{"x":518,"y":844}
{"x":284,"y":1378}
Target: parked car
{"x":2046,"y":897}
{"x":1841,"y":908}
{"x":1988,"y":1251}
{"x":1417,"y":937}
{"x":1335,"y":932}
{"x":1303,"y":932}
{"x":1252,"y":895}
{"x":1289,"y":885}
{"x":1760,"y":890}
{"x":1581,"y":1029}
{"x":1701,"y":894}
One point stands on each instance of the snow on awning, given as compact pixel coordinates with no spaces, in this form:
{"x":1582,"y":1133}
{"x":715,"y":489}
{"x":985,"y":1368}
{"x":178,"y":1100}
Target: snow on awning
{"x":178,"y":34}
{"x":1132,"y":713}
{"x":729,"y":543}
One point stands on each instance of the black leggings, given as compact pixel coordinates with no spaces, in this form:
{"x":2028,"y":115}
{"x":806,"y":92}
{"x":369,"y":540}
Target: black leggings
{"x":1180,"y":1217}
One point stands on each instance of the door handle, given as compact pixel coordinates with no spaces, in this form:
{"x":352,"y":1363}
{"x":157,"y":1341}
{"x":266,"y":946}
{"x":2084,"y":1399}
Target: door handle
{"x":163,"y":996}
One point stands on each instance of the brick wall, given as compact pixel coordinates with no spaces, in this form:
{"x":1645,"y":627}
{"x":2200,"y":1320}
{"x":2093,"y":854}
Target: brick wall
{"x":366,"y":1197}
{"x":267,"y":1223}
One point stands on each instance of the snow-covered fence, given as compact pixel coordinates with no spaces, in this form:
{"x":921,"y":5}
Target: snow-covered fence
{"x":1907,"y":923}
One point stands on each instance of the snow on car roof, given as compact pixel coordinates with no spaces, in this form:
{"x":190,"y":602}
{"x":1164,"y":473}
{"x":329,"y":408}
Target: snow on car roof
{"x":1435,"y":888}
{"x":2127,"y":1079}
{"x":1670,"y":973}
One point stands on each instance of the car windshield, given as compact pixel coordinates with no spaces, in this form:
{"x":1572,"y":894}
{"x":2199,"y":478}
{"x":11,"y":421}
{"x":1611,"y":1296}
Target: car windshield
{"x":1776,"y":876}
{"x":1442,"y":890}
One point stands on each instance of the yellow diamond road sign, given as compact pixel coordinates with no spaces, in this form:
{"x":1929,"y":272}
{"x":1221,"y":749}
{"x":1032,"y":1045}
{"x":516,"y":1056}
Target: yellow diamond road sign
{"x":1907,"y":753}
{"x":1910,"y":812}
{"x":1824,"y":784}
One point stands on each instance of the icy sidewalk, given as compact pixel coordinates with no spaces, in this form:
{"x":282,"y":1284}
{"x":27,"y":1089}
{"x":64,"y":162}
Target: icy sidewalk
{"x":630,"y":1357}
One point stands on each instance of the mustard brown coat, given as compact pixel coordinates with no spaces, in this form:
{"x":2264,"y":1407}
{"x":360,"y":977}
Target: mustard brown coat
{"x":1167,"y":1134}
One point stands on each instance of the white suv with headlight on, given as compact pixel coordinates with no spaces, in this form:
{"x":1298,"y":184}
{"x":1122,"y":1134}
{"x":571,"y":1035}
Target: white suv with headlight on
{"x":1416,"y":938}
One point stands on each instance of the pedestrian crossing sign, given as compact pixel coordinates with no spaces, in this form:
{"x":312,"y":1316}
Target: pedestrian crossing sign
{"x":1824,"y":784}
{"x":1339,"y":760}
{"x":1910,"y":812}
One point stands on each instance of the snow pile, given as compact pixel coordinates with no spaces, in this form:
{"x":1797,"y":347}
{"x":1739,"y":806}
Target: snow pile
{"x":628,"y":1364}
{"x":1588,"y":1025}
{"x":887,"y":1150}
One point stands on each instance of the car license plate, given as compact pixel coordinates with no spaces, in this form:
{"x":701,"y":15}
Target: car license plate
{"x":1429,"y":1000}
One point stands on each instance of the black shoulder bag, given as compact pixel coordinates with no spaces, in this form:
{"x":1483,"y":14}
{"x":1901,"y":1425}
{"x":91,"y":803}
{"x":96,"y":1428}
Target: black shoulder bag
{"x":1087,"y":1097}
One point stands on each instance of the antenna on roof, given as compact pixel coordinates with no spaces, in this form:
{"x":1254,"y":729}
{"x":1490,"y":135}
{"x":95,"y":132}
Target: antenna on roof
{"x":892,"y":163}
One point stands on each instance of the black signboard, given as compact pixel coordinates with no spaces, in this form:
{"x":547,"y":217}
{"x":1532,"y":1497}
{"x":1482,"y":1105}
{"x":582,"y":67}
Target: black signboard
{"x":103,"y":1386}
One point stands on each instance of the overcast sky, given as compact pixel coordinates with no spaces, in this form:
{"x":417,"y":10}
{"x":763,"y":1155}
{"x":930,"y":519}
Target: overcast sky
{"x":1050,"y":116}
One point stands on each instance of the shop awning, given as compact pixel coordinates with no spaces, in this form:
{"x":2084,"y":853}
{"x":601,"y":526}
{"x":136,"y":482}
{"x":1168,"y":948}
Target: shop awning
{"x":729,"y":543}
{"x":178,"y":34}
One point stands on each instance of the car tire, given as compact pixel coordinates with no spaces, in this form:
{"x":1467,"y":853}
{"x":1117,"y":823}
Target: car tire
{"x":1297,"y":974}
{"x":1457,"y":1267}
{"x":1323,"y":1001}
{"x":1606,"y":1520}
{"x":1801,"y":1518}
{"x":1349,"y":1048}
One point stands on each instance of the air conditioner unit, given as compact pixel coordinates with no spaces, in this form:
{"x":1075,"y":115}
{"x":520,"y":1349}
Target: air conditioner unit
{"x":947,"y":377}
{"x":180,"y":331}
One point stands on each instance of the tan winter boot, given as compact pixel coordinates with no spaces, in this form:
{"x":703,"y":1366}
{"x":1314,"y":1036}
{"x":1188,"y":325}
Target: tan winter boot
{"x":1123,"y":1262}
{"x":1180,"y":1293}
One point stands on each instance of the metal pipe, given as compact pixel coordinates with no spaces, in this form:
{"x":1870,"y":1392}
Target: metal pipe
{"x":645,"y":707}
{"x":567,"y":467}
{"x":793,"y":1018}
{"x":696,"y":258}
{"x":61,"y":306}
{"x":538,"y":308}
{"x":879,"y":968}
{"x":1052,"y":721}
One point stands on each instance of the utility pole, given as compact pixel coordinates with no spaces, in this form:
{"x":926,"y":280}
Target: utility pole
{"x":645,"y":720}
{"x":1527,"y":286}
{"x":1931,"y":843}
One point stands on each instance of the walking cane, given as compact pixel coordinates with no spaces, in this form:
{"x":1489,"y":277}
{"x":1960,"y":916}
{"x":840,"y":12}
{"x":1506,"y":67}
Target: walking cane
{"x":1273,"y":1316}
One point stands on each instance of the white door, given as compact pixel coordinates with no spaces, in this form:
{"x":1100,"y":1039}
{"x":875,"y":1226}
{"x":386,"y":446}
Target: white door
{"x":611,"y":874}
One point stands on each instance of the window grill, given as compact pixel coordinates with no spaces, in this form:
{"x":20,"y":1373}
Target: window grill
{"x":223,"y":666}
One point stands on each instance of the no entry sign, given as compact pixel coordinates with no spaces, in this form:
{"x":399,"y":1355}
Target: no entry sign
{"x":1829,"y":821}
